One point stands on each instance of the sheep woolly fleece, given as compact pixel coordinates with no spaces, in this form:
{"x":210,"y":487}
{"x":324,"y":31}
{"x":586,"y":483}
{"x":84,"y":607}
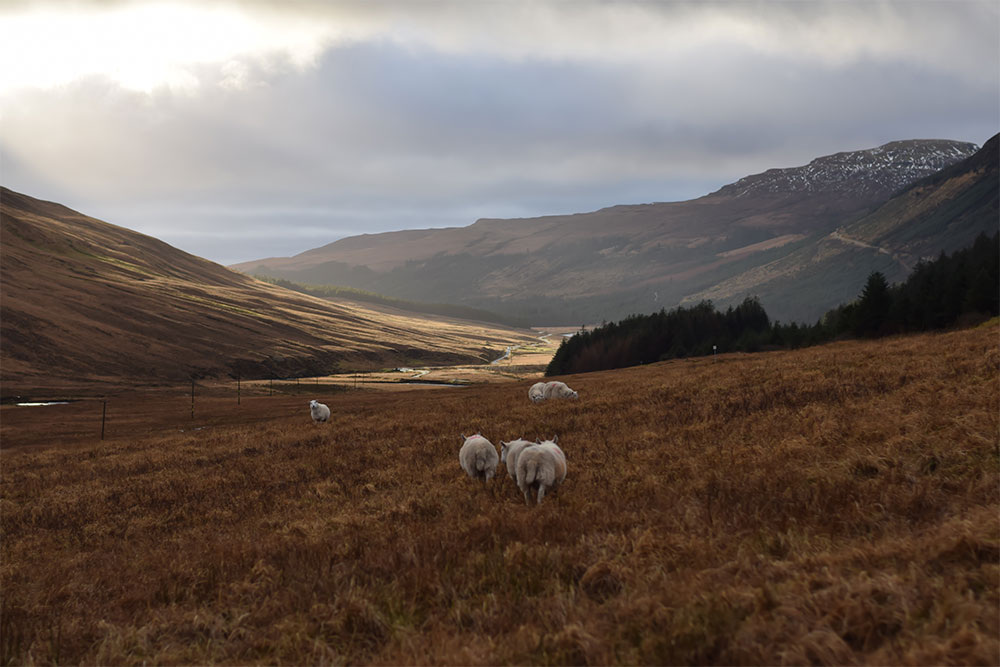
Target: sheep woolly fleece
{"x":509,"y":452}
{"x":320,"y":413}
{"x":541,"y":466}
{"x":478,"y":458}
{"x":537,"y":392}
{"x":559,"y":390}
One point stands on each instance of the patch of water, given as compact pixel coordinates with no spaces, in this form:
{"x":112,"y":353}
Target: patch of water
{"x":40,"y":403}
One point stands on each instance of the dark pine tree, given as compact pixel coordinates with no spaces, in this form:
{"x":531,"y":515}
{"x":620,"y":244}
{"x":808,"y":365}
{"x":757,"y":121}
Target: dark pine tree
{"x":873,"y":307}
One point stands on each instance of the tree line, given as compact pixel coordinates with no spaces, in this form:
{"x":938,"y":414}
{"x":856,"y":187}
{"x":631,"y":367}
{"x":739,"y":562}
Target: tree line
{"x":951,"y":290}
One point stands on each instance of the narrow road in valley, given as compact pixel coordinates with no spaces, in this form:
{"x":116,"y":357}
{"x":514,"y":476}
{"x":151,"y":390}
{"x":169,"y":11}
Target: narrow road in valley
{"x":861,"y":244}
{"x":532,"y":358}
{"x":505,"y":355}
{"x":511,"y":348}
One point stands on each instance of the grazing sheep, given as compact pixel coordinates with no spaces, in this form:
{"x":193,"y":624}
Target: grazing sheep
{"x":320,"y":413}
{"x":559,"y":390}
{"x":537,"y":392}
{"x":509,"y":451}
{"x":478,"y":457}
{"x":541,"y":466}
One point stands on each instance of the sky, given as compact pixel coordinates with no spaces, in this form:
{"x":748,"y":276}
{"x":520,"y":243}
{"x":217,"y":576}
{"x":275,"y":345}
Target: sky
{"x":248,"y":129}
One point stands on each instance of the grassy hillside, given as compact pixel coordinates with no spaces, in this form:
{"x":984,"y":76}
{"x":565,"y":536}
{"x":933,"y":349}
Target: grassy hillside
{"x":943,"y":212}
{"x":835,"y":505}
{"x":336,"y":293}
{"x":88,"y":305}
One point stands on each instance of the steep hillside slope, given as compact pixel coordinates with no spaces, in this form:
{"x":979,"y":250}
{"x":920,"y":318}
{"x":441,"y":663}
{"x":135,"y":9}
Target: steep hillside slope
{"x":943,"y":212}
{"x":87,"y":302}
{"x":623,"y":259}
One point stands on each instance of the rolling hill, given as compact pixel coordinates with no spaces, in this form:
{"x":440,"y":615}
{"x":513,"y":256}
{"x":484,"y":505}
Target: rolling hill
{"x":571,"y":269}
{"x":90,"y":304}
{"x":942,"y":212}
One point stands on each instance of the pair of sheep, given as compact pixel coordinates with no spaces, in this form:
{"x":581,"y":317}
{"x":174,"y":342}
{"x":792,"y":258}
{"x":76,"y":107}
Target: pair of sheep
{"x":537,"y":465}
{"x":541,"y":391}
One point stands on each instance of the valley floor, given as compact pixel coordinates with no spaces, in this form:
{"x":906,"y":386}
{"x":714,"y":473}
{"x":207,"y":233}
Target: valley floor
{"x":834,"y":505}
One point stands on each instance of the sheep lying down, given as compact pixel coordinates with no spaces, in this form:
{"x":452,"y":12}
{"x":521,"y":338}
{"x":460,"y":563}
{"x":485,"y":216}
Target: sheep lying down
{"x":559,"y":390}
{"x":543,"y":391}
{"x":478,"y":457}
{"x":540,"y":466}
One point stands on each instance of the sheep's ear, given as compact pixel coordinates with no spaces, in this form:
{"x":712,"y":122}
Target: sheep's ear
{"x":555,"y":439}
{"x":463,"y":437}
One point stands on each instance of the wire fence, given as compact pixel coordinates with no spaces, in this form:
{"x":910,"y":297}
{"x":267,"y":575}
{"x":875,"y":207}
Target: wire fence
{"x":197,"y":405}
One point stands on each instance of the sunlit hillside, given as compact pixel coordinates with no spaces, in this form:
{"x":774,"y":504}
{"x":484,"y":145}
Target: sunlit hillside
{"x":89,"y":307}
{"x":834,"y":505}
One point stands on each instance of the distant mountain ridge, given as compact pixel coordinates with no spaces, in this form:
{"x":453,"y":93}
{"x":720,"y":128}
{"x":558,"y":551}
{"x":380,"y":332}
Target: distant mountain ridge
{"x":587,"y":267}
{"x":887,"y":168}
{"x":942,"y":212}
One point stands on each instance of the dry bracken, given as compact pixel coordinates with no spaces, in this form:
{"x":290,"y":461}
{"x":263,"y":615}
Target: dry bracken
{"x":836,"y":505}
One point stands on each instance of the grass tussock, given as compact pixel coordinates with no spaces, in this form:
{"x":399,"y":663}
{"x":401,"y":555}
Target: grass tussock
{"x":836,"y":505}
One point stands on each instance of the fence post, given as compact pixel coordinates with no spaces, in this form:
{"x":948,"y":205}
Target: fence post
{"x":104,"y":414}
{"x":192,"y":399}
{"x":237,"y":387}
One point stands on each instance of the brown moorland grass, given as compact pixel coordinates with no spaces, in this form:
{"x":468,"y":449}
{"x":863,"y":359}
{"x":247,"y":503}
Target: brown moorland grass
{"x":836,"y":505}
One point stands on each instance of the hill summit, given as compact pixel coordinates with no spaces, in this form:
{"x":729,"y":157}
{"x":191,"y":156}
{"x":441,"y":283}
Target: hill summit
{"x":873,"y":172}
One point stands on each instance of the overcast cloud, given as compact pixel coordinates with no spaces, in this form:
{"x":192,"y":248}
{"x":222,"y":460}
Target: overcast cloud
{"x":243,"y":130}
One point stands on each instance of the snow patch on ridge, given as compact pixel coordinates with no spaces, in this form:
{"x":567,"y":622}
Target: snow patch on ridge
{"x":883,"y":169}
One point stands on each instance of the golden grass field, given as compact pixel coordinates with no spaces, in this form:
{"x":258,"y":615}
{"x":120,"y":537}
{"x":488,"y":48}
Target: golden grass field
{"x":834,"y":505}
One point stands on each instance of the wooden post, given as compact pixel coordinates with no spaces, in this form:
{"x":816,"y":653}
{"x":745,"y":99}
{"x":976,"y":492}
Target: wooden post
{"x":104,"y":414}
{"x":270,"y":390}
{"x":192,"y":399}
{"x":237,"y":387}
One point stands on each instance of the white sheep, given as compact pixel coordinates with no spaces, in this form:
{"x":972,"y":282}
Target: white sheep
{"x":478,"y":457}
{"x":541,"y":466}
{"x":559,"y":390}
{"x":320,"y":413}
{"x":537,"y":392}
{"x":509,"y":451}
